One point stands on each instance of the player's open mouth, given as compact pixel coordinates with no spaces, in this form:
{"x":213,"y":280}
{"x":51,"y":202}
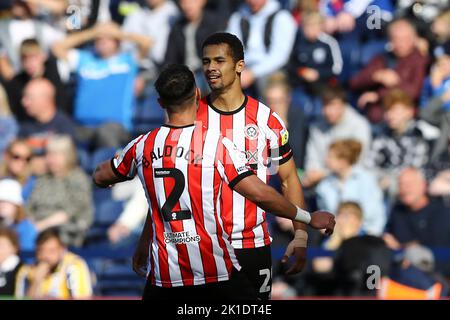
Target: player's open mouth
{"x":213,"y":77}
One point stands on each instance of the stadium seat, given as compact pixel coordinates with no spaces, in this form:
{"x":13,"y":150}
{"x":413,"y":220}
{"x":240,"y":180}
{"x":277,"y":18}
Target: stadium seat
{"x":99,"y":156}
{"x":148,"y":115}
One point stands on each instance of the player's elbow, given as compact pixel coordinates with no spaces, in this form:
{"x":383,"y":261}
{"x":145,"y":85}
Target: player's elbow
{"x":252,"y":188}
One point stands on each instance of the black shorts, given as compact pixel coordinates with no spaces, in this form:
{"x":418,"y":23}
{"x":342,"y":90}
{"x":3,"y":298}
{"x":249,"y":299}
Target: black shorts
{"x":237,"y":288}
{"x":256,"y":264}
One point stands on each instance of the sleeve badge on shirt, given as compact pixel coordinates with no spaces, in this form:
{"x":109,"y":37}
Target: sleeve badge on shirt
{"x":284,"y":136}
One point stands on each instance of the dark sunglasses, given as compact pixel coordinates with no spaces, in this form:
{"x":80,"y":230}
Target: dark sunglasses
{"x":19,"y":157}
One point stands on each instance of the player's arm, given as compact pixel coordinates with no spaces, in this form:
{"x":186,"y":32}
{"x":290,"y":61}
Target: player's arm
{"x":118,"y":169}
{"x":292,"y":190}
{"x":233,"y":169}
{"x":105,"y":175}
{"x":281,"y":158}
{"x":268,"y":199}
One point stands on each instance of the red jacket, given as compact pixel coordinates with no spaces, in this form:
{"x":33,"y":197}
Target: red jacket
{"x":411,"y":69}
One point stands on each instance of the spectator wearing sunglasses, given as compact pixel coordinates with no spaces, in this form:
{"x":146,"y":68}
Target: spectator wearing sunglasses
{"x":17,"y":165}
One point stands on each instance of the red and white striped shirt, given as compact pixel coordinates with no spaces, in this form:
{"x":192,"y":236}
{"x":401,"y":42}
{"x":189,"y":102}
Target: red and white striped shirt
{"x":262,"y":135}
{"x":182,"y":170}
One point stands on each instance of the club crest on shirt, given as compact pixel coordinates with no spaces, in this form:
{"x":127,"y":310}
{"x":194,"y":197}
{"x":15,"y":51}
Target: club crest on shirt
{"x":251,"y":131}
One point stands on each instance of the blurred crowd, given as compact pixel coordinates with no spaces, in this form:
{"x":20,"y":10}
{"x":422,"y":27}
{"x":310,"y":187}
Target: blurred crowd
{"x":363,"y":87}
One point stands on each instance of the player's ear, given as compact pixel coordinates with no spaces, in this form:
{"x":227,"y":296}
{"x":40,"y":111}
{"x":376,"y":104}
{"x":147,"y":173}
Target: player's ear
{"x":198,"y":95}
{"x":240,"y":66}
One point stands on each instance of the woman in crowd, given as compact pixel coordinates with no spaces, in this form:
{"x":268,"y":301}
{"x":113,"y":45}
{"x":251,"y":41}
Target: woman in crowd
{"x":62,"y":198}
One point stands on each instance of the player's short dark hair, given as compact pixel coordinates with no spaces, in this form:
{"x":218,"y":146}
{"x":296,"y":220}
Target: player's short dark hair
{"x":175,"y":85}
{"x":51,"y":233}
{"x":234,"y":44}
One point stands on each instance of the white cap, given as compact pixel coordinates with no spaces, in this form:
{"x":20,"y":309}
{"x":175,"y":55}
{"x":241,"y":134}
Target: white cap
{"x":11,"y":191}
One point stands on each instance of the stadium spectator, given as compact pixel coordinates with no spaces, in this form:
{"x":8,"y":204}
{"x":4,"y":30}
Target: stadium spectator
{"x":45,"y":118}
{"x":9,"y":261}
{"x":429,"y":19}
{"x":417,"y":217}
{"x":352,"y":261}
{"x":258,"y":25}
{"x":35,"y":63}
{"x":104,"y":98}
{"x":279,"y":98}
{"x":22,"y":25}
{"x":13,"y":215}
{"x":438,"y":81}
{"x":438,"y":173}
{"x":413,"y":277}
{"x":154,"y":20}
{"x":315,"y":62}
{"x":320,"y":280}
{"x":402,"y":141}
{"x":440,"y":29}
{"x":303,"y":6}
{"x":69,"y":15}
{"x":8,"y":124}
{"x":187,"y":35}
{"x":48,"y":11}
{"x":339,"y":121}
{"x":17,"y":165}
{"x":359,"y":28}
{"x":129,"y":224}
{"x":58,"y":273}
{"x":349,"y":182}
{"x":403,"y":67}
{"x":435,"y":104}
{"x":62,"y":197}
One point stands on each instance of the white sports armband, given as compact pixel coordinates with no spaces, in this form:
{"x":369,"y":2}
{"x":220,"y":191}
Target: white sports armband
{"x":302,"y":216}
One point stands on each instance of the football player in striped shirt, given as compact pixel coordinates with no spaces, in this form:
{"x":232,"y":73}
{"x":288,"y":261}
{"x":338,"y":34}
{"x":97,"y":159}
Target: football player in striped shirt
{"x":183,"y":168}
{"x":262,"y":135}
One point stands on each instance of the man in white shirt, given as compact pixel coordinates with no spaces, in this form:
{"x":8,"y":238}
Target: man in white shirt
{"x":268,"y":34}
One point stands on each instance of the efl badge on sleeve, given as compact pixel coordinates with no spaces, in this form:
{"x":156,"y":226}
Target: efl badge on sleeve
{"x":284,"y":136}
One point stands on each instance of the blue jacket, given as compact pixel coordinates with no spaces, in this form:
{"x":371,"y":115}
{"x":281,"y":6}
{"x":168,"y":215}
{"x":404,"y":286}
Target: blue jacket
{"x":361,"y":187}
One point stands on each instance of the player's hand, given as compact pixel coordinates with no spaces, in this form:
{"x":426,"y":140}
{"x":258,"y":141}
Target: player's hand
{"x":300,"y":258}
{"x":140,"y":263}
{"x":323,"y":220}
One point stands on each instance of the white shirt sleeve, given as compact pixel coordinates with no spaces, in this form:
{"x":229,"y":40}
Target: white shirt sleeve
{"x":135,"y":210}
{"x":73,"y":58}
